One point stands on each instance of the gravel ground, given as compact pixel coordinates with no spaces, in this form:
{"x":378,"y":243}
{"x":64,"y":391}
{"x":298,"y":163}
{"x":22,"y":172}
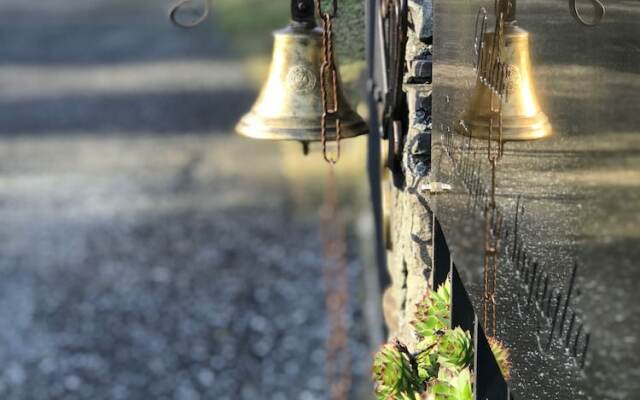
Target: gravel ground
{"x":142,"y":257}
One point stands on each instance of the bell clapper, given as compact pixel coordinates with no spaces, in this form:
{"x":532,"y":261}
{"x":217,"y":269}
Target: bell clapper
{"x":305,"y":148}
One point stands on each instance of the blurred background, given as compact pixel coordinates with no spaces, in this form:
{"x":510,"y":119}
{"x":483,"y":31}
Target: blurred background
{"x":147,"y":252}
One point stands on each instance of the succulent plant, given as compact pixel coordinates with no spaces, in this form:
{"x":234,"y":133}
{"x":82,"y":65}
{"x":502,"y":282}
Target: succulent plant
{"x":455,"y":349}
{"x":439,"y":370}
{"x":501,"y":354}
{"x":451,"y":386}
{"x":427,"y":360}
{"x":433,"y":313}
{"x":394,"y":373}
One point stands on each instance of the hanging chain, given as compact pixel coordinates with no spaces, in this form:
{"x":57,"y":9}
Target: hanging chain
{"x":338,"y":359}
{"x":329,"y":82}
{"x":493,"y":225}
{"x":496,"y":74}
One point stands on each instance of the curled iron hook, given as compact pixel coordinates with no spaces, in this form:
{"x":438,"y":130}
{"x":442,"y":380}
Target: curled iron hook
{"x":175,"y":9}
{"x":598,"y":8}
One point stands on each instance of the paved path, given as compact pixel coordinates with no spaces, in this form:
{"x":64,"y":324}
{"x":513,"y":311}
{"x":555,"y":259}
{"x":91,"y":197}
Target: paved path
{"x":145,"y":253}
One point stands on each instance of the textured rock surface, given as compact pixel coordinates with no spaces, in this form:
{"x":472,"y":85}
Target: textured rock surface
{"x":409,"y":256}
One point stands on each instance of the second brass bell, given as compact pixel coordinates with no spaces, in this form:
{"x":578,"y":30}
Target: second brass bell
{"x":289,"y":106}
{"x":522,"y":117}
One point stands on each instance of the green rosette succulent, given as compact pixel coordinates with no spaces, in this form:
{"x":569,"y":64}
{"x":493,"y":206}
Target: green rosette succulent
{"x":394,"y":375}
{"x":427,"y":360}
{"x":433,"y":314}
{"x":439,"y":368}
{"x":455,"y":349}
{"x":451,"y":386}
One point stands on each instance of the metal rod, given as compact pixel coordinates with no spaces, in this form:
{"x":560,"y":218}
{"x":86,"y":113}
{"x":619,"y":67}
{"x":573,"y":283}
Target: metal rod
{"x":566,"y":304}
{"x":587,"y":337}
{"x":555,"y":319}
{"x":544,"y":290}
{"x":573,"y":320}
{"x":537,"y":297}
{"x":533,"y":279}
{"x":549,"y":302}
{"x":575,"y":342}
{"x":515,"y":225}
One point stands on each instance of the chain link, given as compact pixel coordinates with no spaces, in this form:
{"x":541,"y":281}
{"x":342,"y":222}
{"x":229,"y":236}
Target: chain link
{"x":338,"y":359}
{"x":329,"y":77}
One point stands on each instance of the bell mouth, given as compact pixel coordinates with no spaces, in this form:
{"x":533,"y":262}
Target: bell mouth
{"x":514,"y":129}
{"x":307,"y":130}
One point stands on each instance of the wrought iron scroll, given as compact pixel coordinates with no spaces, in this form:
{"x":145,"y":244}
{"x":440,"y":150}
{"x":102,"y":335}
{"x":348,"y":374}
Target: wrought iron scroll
{"x":202,"y":15}
{"x":598,"y":9}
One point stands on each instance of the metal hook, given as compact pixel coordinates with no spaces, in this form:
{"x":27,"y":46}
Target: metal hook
{"x":173,"y":14}
{"x":598,"y":8}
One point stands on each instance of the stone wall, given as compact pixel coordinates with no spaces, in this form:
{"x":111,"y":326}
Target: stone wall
{"x":409,"y":250}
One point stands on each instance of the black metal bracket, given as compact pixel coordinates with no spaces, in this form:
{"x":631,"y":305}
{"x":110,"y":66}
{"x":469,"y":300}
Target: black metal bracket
{"x":395,"y":113}
{"x":303,"y":13}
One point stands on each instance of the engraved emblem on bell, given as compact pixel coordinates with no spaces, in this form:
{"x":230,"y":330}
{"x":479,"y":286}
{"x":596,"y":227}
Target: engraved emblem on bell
{"x":301,"y":79}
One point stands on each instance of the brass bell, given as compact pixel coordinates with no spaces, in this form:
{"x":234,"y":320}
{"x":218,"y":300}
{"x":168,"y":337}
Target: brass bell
{"x":522,"y":118}
{"x":289,"y":106}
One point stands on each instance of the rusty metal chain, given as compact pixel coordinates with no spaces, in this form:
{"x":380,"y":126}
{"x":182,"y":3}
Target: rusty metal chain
{"x":338,"y":359}
{"x":493,"y":225}
{"x":329,"y":77}
{"x":495,"y":74}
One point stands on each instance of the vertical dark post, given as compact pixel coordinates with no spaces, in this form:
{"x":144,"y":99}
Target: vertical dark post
{"x":373,"y":143}
{"x":462,"y":313}
{"x":373,"y":158}
{"x":441,"y":255}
